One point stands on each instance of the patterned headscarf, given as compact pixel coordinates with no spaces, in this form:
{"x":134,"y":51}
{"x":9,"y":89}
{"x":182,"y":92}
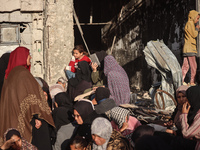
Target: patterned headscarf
{"x":101,"y":127}
{"x":118,"y":82}
{"x":118,"y":115}
{"x":25,"y":144}
{"x":18,"y":57}
{"x":10,"y":132}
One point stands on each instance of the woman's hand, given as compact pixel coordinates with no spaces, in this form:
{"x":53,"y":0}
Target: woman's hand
{"x":185,"y":108}
{"x":124,"y":126}
{"x":7,"y":144}
{"x":38,"y":123}
{"x":94,"y":67}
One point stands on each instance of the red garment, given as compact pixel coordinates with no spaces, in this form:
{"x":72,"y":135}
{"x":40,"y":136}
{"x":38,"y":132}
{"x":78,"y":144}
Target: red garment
{"x":18,"y":57}
{"x":73,"y":63}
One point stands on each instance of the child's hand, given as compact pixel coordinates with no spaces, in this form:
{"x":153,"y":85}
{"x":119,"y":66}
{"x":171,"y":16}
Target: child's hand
{"x":197,"y":26}
{"x":94,"y":67}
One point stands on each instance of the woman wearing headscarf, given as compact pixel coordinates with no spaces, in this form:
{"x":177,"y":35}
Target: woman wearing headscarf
{"x":105,"y":138}
{"x":84,"y":114}
{"x":62,"y":114}
{"x":82,"y":80}
{"x":118,"y":82}
{"x":14,"y":141}
{"x":3,"y":66}
{"x":190,"y":121}
{"x":181,"y":99}
{"x":45,"y":88}
{"x":22,"y":99}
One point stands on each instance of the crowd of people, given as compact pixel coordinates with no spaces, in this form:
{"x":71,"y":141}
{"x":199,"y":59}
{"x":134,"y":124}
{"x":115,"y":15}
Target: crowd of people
{"x":84,"y":110}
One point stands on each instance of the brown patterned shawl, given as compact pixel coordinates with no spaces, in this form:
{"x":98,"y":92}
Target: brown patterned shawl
{"x":21,"y":98}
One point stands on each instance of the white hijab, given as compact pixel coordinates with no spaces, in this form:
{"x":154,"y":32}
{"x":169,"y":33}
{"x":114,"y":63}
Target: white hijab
{"x":103,"y":128}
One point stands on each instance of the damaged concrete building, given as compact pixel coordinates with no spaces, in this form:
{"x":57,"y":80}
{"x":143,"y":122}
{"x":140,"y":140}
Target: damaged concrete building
{"x":120,"y":27}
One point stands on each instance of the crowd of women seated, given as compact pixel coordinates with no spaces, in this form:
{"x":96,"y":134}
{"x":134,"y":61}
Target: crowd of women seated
{"x":83,"y":110}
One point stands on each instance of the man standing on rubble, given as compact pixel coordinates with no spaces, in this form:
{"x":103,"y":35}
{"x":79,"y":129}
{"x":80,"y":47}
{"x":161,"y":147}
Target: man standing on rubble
{"x":189,"y":49}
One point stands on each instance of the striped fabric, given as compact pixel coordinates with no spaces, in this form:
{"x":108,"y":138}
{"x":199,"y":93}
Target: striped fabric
{"x":193,"y":130}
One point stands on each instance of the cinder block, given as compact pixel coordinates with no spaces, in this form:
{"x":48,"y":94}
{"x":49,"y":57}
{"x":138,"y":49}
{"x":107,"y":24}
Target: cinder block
{"x":17,"y":16}
{"x":32,"y":5}
{"x":4,"y":17}
{"x":8,"y":5}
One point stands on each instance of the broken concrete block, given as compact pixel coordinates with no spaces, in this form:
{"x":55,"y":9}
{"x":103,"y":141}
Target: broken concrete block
{"x":30,"y":5}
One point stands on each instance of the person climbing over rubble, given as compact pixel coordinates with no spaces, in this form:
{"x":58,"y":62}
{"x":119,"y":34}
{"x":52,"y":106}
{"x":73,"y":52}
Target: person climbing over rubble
{"x":79,"y":54}
{"x":189,"y":49}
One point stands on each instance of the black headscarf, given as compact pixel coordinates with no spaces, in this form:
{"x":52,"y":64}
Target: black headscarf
{"x":102,"y":93}
{"x":83,"y":73}
{"x":84,"y":108}
{"x":193,"y":96}
{"x":101,"y":55}
{"x":45,"y":88}
{"x":3,"y":66}
{"x":62,"y":99}
{"x":11,"y":133}
{"x":63,"y":114}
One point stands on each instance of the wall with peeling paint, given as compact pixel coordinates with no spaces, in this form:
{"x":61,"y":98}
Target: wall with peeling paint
{"x":152,"y":20}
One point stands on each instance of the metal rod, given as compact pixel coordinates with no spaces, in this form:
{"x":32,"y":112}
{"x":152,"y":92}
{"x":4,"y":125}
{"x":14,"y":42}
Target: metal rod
{"x":81,"y":31}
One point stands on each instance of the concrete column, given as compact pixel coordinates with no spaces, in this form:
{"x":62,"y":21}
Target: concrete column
{"x":58,"y":38}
